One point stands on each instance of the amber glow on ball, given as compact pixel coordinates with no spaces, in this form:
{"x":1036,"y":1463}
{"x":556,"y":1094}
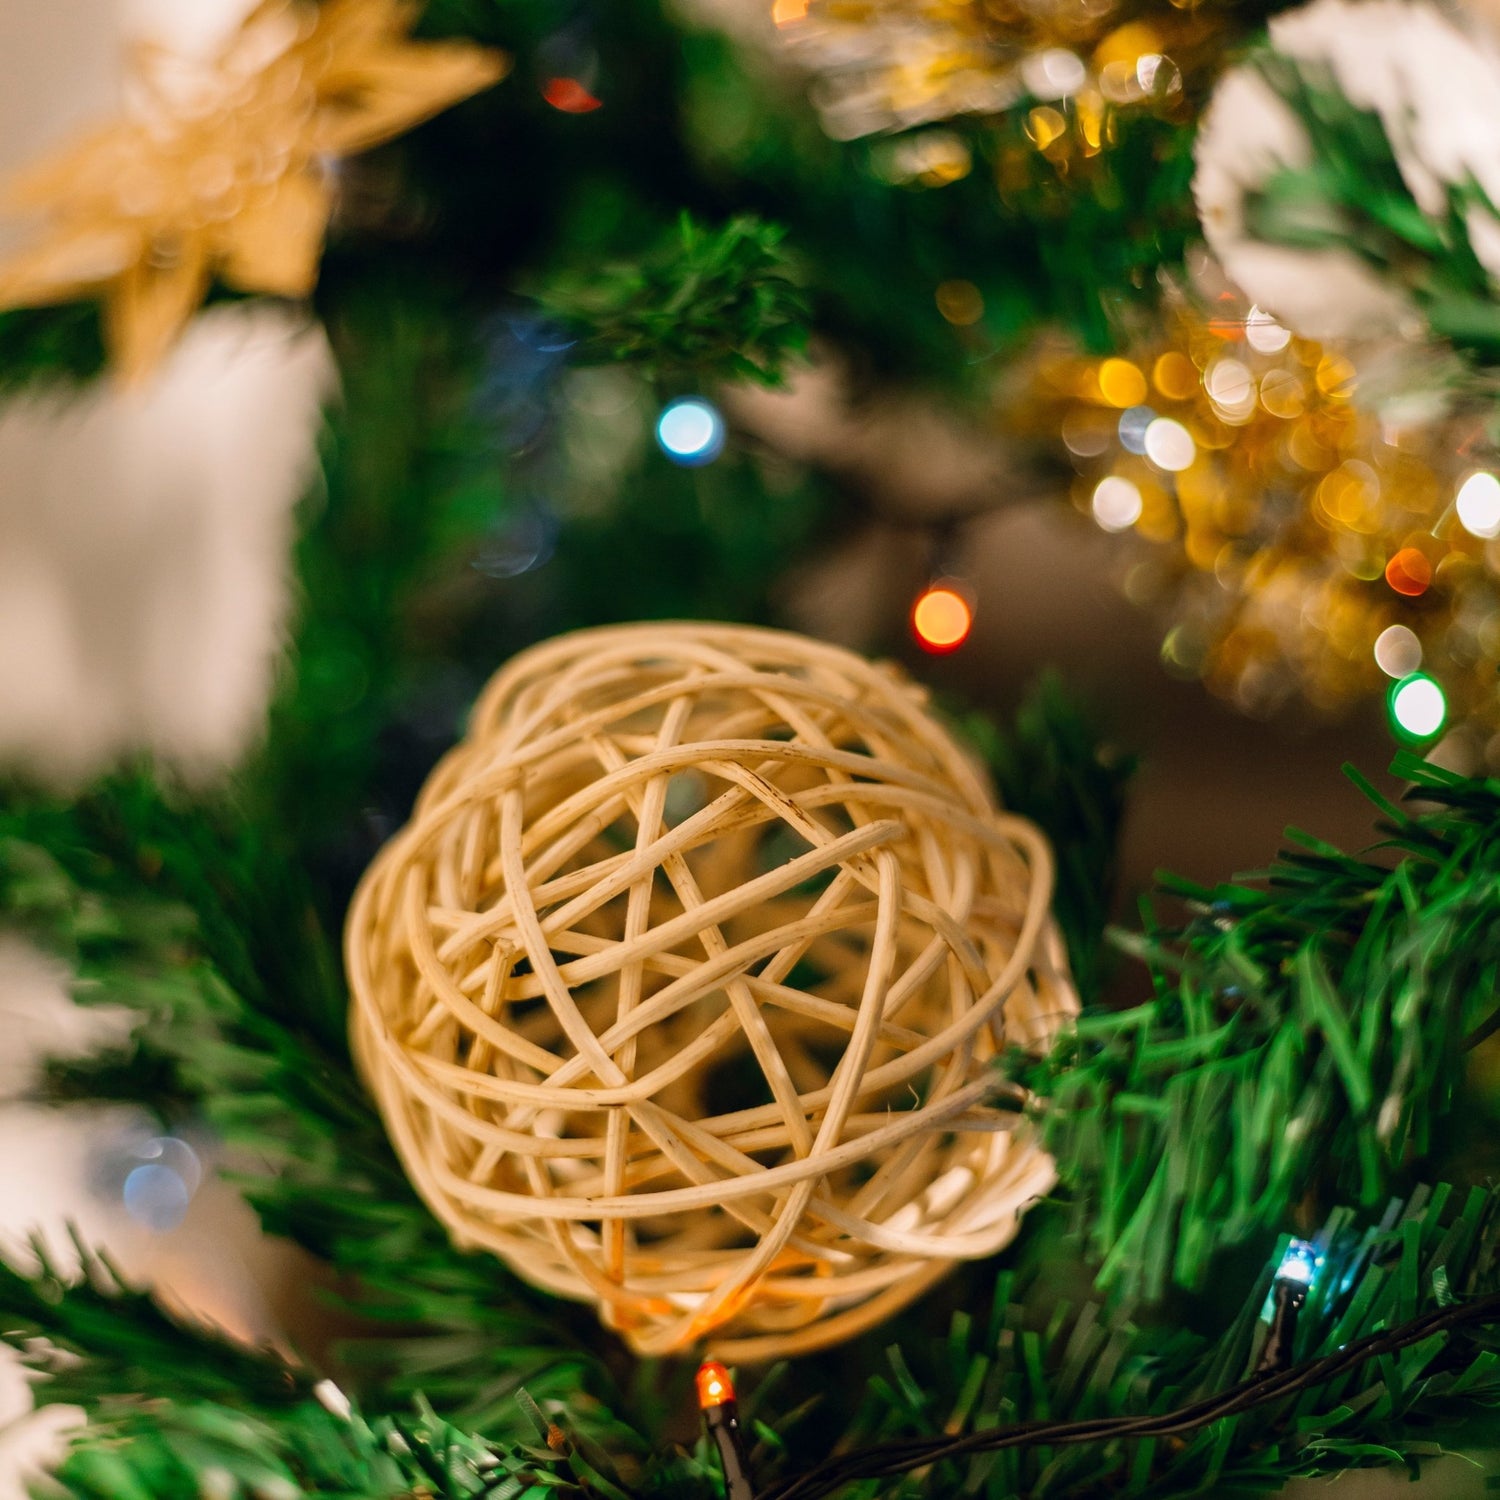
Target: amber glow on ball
{"x":941,"y":619}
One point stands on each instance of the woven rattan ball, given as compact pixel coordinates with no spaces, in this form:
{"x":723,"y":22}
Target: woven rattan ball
{"x":681,"y":988}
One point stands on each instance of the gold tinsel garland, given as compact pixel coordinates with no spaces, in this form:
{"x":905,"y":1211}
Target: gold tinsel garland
{"x":225,"y":168}
{"x":1304,"y":544}
{"x":1066,"y":69}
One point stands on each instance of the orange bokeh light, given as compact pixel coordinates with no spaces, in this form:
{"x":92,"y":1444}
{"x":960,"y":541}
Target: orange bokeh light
{"x":570,"y":96}
{"x":785,"y":12}
{"x":941,"y":619}
{"x":1409,"y":572}
{"x":714,"y":1384}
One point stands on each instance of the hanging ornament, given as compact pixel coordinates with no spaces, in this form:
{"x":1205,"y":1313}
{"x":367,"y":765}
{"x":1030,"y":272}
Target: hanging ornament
{"x":683,"y":988}
{"x":222,"y":169}
{"x":1063,"y":70}
{"x":1304,"y":545}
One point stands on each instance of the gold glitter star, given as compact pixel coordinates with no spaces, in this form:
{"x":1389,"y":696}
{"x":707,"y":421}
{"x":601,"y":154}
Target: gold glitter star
{"x":222,"y":170}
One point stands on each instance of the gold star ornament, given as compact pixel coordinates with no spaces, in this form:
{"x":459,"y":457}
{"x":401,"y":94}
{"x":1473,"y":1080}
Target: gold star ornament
{"x":222,"y":168}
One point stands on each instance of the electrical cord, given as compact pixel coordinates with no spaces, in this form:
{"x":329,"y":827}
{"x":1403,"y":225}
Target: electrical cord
{"x":902,"y":1455}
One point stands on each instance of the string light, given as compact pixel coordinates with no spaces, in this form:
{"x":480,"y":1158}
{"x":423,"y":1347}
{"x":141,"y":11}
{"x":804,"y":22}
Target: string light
{"x":1134,"y":425}
{"x":960,"y":302}
{"x":720,"y":1410}
{"x":1264,"y":334}
{"x":933,"y":158}
{"x":570,"y":97}
{"x":714,"y":1385}
{"x":1398,"y":652}
{"x":1169,"y":445}
{"x":1478,"y":505}
{"x":1056,"y":73}
{"x":942,"y":617}
{"x":903,"y":1455}
{"x":1121,"y":383}
{"x":1117,"y":503}
{"x":1409,"y":572}
{"x":161,"y":1175}
{"x":1299,"y":1264}
{"x":1289,"y":1290}
{"x":690,"y":431}
{"x":1418,"y":707}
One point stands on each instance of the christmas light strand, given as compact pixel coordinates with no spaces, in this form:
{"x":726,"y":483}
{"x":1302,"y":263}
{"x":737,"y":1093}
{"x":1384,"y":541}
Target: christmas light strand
{"x":904,"y":1455}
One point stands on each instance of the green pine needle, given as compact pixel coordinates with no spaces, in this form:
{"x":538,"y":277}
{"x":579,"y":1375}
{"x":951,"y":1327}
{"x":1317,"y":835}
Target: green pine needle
{"x":88,"y":1336}
{"x":713,"y":304}
{"x":1305,"y":1035}
{"x":152,"y":1432}
{"x":269,"y":1083}
{"x":1352,"y":195}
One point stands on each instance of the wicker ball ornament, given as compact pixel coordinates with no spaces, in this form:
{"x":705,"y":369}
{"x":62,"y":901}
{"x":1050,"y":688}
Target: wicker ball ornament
{"x":681,"y":989}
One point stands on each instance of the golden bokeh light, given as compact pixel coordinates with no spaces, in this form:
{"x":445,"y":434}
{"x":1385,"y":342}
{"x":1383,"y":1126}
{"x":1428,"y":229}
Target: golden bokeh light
{"x":1068,"y":72}
{"x":960,"y":302}
{"x":1298,"y":545}
{"x":1121,"y":383}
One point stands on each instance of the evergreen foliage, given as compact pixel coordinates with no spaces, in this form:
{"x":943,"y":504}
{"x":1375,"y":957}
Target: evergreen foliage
{"x":1306,"y":1034}
{"x":1030,"y":1358}
{"x":265,"y":1070}
{"x":720,"y":304}
{"x":1057,"y":768}
{"x":134,"y":894}
{"x":90,"y":1338}
{"x":1351,"y":194}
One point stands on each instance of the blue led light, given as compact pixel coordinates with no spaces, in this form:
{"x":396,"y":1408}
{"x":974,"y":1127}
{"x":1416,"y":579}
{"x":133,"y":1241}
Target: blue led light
{"x":691,"y":432}
{"x":156,"y":1197}
{"x":1299,"y":1265}
{"x":1133,"y":424}
{"x":157,"y":1192}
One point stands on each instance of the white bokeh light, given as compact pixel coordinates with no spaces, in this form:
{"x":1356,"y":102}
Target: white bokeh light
{"x":691,"y":431}
{"x":1134,"y":422}
{"x":1419,"y":707}
{"x":1116,"y":503}
{"x":1478,"y":504}
{"x":1264,"y":334}
{"x":1398,"y":652}
{"x":1231,"y":388}
{"x":1053,"y":74}
{"x":1169,"y":445}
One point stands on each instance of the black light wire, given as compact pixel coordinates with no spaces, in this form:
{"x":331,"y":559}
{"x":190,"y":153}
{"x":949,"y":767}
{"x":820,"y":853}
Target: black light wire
{"x":902,"y":1455}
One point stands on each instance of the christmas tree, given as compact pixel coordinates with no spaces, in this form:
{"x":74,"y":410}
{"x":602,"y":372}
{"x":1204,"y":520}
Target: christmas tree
{"x":711,"y":1059}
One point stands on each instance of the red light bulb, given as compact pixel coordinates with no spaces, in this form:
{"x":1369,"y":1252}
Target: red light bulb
{"x":942,"y":618}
